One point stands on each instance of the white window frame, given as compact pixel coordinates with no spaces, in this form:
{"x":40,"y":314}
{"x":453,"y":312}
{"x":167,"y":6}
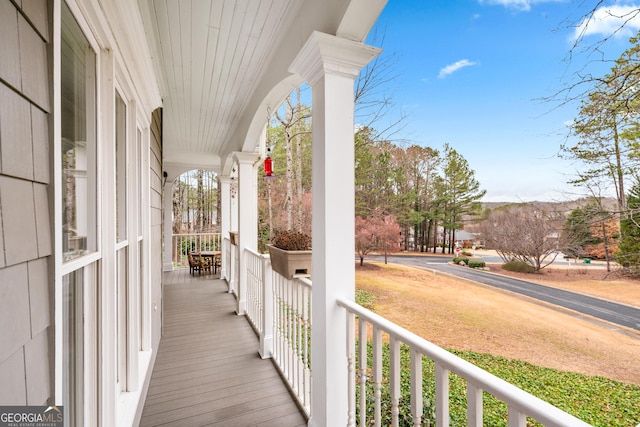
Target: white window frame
{"x":86,"y":263}
{"x":111,"y":406}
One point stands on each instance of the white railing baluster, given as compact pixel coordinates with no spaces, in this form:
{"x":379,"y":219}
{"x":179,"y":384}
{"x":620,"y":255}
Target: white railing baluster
{"x":278,"y":319}
{"x":362,"y":370}
{"x":416,"y":387}
{"x":297,"y":335}
{"x":307,"y":341}
{"x":226,"y":264}
{"x":442,"y":396}
{"x":285,"y":329}
{"x":394,"y":379}
{"x":290,"y":335}
{"x":377,"y":374}
{"x":516,"y":418}
{"x":268,"y":310}
{"x":351,"y":370}
{"x":474,"y":405}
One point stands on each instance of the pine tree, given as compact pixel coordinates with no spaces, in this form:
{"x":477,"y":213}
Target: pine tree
{"x":629,"y":248}
{"x":461,"y":193}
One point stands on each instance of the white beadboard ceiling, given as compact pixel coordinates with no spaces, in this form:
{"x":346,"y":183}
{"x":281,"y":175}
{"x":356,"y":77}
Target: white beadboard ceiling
{"x":213,"y":56}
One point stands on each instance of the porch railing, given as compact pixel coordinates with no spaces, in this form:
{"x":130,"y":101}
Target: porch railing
{"x":292,"y":335}
{"x":280,"y":312}
{"x":259,"y":295}
{"x":182,"y":244}
{"x":370,"y":329}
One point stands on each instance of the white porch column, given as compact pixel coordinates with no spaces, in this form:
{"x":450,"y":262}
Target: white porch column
{"x":232,"y":271}
{"x":247,"y":219}
{"x":225,"y":219}
{"x":330,"y":65}
{"x":167,"y":225}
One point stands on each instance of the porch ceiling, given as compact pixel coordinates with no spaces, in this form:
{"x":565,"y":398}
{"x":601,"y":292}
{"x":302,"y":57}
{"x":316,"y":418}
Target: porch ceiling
{"x":219,"y":61}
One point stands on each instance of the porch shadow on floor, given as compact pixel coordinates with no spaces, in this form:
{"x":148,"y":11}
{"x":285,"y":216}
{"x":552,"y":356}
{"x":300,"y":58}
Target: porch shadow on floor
{"x":208,"y":371}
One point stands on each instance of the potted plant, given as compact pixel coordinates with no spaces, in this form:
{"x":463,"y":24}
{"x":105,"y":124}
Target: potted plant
{"x":290,"y":253}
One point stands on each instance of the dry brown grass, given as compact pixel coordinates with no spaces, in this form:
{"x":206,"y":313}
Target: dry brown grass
{"x":454,"y":313}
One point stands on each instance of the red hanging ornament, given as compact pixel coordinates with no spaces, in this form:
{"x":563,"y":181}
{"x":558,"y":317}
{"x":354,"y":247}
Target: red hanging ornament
{"x":268,"y":166}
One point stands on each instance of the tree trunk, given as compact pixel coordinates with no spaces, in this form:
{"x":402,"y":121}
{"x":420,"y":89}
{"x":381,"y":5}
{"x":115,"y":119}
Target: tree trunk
{"x":289,"y":163}
{"x":435,"y":236}
{"x":199,"y":201}
{"x":298,"y":113}
{"x":619,"y":172}
{"x":606,"y":245}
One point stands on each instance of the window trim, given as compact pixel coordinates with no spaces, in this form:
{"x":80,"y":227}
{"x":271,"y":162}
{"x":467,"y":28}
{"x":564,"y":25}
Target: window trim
{"x":91,"y":259}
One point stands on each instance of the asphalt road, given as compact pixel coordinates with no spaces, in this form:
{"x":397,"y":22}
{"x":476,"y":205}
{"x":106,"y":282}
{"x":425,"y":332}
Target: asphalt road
{"x":611,"y":312}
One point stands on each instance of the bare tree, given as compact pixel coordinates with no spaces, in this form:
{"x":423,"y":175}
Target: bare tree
{"x":293,"y":123}
{"x":372,"y":102}
{"x":585,"y":52}
{"x":524,"y":233}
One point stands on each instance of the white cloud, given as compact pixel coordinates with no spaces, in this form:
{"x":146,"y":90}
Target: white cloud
{"x":452,"y":68}
{"x":609,"y":20}
{"x":523,"y":5}
{"x":518,"y":5}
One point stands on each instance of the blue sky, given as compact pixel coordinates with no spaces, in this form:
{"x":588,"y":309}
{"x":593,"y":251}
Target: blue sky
{"x":471,"y":73}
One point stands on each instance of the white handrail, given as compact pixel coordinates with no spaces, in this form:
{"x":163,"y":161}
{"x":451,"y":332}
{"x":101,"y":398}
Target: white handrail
{"x":521,"y":404}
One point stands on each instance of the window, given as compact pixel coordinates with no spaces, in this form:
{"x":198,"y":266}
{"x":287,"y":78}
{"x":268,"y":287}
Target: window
{"x":139,"y":166}
{"x":121,"y":169}
{"x":78,"y":121}
{"x":73,"y":354}
{"x":80,"y":349}
{"x":122,"y":317}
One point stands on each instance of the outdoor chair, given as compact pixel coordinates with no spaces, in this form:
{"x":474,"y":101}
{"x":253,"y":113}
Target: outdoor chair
{"x":194,"y":263}
{"x":206,"y":263}
{"x":217,"y":263}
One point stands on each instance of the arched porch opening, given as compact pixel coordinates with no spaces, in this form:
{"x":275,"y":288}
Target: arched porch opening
{"x":195,"y":219}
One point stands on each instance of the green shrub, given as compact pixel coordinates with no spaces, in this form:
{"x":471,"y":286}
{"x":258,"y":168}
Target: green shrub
{"x":366,"y":299}
{"x":476,"y":263}
{"x":459,"y":259}
{"x":518,"y":267}
{"x":466,"y":253}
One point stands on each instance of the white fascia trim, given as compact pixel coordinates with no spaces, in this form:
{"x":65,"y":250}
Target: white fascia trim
{"x":359,"y":18}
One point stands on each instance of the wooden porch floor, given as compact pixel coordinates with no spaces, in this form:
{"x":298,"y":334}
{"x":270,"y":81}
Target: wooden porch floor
{"x":208,"y":371}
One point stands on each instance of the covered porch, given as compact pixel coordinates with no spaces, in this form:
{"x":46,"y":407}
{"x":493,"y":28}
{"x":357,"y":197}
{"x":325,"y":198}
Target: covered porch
{"x":216,"y":367}
{"x":309,"y":328}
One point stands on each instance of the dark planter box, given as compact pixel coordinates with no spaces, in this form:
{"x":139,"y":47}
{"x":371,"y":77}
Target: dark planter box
{"x":233,"y":236}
